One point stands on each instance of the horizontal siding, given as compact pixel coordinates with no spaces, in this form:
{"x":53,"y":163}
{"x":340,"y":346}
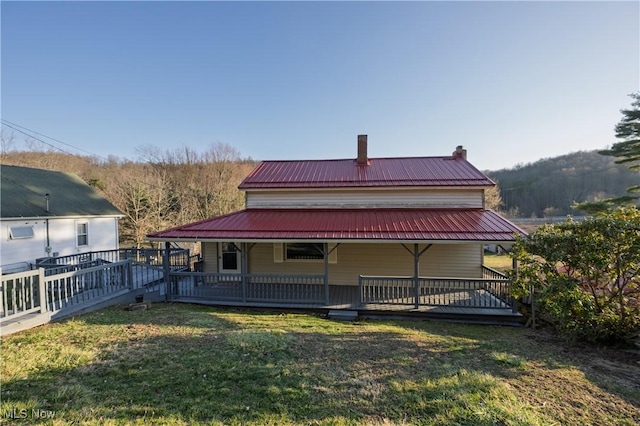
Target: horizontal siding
{"x":210,"y":257}
{"x":445,"y":260}
{"x":463,"y":198}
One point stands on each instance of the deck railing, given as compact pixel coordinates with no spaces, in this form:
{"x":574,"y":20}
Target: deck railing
{"x":21,"y":293}
{"x":457,"y":292}
{"x":262,"y":288}
{"x":72,"y":288}
{"x":33,"y":291}
{"x":498,"y":290}
{"x":179,"y":259}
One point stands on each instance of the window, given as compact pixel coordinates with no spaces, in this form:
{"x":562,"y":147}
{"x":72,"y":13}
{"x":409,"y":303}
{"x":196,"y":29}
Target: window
{"x":229,"y":258}
{"x":304,"y":251}
{"x":82,"y":233}
{"x":20,"y":232}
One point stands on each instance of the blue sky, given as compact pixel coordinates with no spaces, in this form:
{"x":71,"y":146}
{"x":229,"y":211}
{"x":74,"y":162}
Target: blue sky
{"x":511,"y":81}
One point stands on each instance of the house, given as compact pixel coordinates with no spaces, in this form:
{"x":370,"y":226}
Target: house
{"x":46,"y":214}
{"x":384,"y":230}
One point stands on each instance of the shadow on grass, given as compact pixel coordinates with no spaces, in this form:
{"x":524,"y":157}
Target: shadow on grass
{"x":519,"y":354}
{"x":193,"y":364}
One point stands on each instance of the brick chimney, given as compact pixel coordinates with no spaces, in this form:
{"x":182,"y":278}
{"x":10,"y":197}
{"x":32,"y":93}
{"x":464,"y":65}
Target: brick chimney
{"x":363,"y":159}
{"x":460,"y":152}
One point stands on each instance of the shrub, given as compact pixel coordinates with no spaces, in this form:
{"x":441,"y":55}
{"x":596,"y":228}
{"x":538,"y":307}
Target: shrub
{"x":586,"y":274}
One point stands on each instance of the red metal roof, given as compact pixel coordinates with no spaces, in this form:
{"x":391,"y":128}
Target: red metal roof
{"x":409,"y":171}
{"x":348,"y":224}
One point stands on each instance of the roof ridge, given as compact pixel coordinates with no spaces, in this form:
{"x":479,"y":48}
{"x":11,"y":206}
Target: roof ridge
{"x":354,"y":160}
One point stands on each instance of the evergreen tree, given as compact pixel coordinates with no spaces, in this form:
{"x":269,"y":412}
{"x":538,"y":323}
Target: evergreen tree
{"x":627,"y":152}
{"x":628,"y":129}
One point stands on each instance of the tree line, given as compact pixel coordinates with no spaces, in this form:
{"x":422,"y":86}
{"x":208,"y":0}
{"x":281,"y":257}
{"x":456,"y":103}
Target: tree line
{"x":554,"y":186}
{"x":164,"y":189}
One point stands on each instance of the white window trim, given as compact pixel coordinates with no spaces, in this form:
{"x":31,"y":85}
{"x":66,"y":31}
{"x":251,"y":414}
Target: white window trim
{"x":221,"y":260}
{"x":86,"y":223}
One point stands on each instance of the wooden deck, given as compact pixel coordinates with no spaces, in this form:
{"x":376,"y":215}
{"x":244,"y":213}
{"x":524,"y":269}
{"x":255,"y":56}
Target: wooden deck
{"x":67,"y":298}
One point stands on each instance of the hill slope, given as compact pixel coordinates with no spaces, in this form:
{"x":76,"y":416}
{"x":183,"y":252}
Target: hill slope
{"x":549,"y":187}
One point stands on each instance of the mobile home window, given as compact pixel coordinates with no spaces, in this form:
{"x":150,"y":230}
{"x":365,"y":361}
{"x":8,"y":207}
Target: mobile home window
{"x":304,"y":251}
{"x":82,"y":233}
{"x":20,"y":232}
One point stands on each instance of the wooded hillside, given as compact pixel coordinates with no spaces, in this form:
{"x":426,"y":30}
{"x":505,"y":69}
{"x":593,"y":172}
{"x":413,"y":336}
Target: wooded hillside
{"x":550,"y":186}
{"x":165,"y":189}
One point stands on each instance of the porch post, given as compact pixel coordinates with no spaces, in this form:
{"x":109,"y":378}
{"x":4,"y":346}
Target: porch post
{"x":166,"y":268}
{"x":42,"y":291}
{"x":325,"y":249}
{"x":514,"y":302}
{"x":243,"y":270}
{"x":416,"y":275}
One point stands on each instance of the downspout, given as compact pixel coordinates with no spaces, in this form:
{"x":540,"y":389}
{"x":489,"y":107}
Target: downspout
{"x":48,"y":246}
{"x":46,"y":221}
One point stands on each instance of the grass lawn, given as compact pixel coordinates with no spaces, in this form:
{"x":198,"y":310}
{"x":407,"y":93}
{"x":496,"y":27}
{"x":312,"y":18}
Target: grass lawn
{"x":502,"y":263}
{"x":182,"y":364}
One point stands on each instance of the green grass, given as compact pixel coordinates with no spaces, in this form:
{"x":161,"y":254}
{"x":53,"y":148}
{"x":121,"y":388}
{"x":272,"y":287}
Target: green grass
{"x":181,"y":364}
{"x":502,"y":263}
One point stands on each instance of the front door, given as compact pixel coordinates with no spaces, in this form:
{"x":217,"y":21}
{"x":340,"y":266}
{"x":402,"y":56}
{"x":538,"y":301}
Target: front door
{"x":229,"y":259}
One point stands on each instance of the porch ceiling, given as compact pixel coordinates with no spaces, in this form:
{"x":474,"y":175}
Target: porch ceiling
{"x":352,"y":225}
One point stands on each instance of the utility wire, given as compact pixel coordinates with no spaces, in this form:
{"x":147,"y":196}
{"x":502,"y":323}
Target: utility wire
{"x":19,"y":128}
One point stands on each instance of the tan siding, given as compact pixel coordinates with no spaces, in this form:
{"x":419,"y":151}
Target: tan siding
{"x":210,"y":257}
{"x":445,"y":260}
{"x":461,"y":198}
{"x":370,"y":259}
{"x":452,"y":260}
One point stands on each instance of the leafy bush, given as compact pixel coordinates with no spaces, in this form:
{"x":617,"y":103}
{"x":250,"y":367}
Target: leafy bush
{"x":586,"y":274}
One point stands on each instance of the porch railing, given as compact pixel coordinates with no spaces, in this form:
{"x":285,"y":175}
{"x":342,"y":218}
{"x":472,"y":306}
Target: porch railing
{"x":266,"y":288}
{"x":452,"y":292}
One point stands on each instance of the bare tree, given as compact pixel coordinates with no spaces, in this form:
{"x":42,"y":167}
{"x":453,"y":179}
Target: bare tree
{"x":492,"y":198}
{"x":7,"y":140}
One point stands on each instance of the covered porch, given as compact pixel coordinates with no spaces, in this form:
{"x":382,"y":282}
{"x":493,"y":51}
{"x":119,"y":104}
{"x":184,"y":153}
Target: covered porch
{"x":419,"y":262}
